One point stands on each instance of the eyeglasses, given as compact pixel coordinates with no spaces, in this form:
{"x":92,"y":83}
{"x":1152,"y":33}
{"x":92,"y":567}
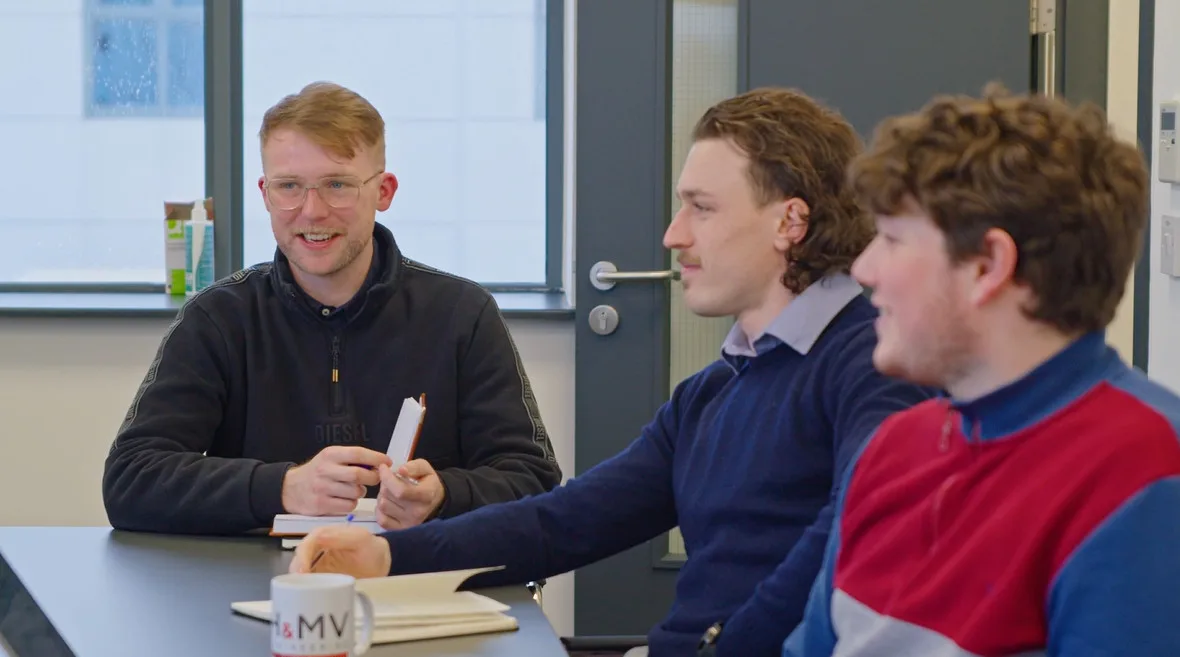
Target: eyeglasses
{"x":340,"y":192}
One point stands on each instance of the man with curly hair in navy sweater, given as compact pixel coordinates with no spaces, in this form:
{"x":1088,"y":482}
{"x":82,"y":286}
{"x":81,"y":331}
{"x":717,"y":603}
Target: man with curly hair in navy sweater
{"x":745,"y":456}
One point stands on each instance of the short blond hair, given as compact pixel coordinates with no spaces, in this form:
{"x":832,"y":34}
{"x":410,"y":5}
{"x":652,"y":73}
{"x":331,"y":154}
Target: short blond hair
{"x":338,"y":119}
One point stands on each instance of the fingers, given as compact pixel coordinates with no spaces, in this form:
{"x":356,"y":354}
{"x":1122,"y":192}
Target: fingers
{"x":309,"y":550}
{"x":388,"y":502}
{"x":348,"y":474}
{"x":354,"y":455}
{"x":323,"y":487}
{"x":399,"y":490}
{"x":416,"y":469}
{"x":390,"y":516}
{"x":392,"y":513}
{"x":304,"y":553}
{"x":407,"y":494}
{"x":366,"y":477}
{"x":335,"y":549}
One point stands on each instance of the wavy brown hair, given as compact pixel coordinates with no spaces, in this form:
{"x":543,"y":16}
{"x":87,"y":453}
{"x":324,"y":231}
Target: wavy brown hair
{"x":1072,"y":195}
{"x":798,"y":149}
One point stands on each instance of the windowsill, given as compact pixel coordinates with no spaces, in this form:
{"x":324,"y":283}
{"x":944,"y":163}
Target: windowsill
{"x":514,"y":305}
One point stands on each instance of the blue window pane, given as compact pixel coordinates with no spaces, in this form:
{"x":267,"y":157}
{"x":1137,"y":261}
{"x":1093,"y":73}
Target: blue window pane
{"x":124,"y":63}
{"x":189,"y":3}
{"x":186,"y":64}
{"x":125,"y":2}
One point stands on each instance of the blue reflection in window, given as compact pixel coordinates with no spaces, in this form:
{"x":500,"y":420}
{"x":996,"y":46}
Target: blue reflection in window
{"x":125,"y":62}
{"x":186,"y":63}
{"x":146,"y":58}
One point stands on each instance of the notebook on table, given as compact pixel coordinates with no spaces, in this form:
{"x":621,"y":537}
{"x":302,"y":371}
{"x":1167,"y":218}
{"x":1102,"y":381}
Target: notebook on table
{"x":416,"y":607}
{"x":293,"y":525}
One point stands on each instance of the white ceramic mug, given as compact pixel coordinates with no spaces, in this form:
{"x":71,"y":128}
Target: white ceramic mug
{"x":312,"y":615}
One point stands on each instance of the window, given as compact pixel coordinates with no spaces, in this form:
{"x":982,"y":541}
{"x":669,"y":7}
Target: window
{"x":145,"y":58}
{"x":457,"y":83}
{"x":84,"y":189}
{"x":116,"y":128}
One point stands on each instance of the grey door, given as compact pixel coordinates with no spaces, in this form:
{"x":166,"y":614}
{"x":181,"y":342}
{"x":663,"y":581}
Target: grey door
{"x":622,"y":177}
{"x":642,"y":79}
{"x":872,"y":59}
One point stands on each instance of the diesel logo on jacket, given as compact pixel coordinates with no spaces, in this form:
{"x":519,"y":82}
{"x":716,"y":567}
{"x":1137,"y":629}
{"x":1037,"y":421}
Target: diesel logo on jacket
{"x":341,"y":433}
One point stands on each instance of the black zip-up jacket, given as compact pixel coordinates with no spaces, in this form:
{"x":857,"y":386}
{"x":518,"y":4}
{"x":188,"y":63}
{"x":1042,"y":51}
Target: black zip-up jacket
{"x":241,"y":389}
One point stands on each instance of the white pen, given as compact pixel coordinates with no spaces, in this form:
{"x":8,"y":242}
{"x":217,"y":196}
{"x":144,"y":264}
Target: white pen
{"x":409,"y":480}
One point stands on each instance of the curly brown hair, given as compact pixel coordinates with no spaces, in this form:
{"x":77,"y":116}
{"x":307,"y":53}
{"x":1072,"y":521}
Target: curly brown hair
{"x":1073,"y":196}
{"x":798,"y":149}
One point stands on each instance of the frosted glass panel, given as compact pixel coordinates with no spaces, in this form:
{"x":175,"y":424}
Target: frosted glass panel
{"x":704,"y":71}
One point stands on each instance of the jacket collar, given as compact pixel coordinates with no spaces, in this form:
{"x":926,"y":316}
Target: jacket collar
{"x":1046,"y":389}
{"x":380,"y":283}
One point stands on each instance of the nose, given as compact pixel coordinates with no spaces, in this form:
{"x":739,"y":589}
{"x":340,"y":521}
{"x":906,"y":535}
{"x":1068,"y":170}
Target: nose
{"x":313,"y":207}
{"x":861,"y":267}
{"x":677,"y":236}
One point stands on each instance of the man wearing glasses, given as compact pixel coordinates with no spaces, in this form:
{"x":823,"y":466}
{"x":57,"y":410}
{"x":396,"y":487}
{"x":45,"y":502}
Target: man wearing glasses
{"x":276,"y":390}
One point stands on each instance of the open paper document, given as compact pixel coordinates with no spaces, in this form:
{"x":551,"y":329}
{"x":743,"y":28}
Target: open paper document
{"x":415,"y":607}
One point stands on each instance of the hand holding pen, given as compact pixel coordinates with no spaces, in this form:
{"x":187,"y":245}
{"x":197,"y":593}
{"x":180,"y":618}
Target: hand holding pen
{"x":332,"y":481}
{"x":342,"y":549}
{"x":401,"y":504}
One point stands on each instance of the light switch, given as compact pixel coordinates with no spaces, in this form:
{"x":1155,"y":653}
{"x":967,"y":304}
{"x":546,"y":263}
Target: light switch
{"x":1169,"y":256}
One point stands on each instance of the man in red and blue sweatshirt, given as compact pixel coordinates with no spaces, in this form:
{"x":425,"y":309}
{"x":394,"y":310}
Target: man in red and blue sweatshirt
{"x":745,"y":456}
{"x":1036,"y":509}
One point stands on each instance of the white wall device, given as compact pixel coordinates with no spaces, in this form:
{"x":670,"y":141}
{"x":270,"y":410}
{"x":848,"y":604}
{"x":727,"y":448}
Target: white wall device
{"x":1169,"y":155}
{"x":1170,"y":246}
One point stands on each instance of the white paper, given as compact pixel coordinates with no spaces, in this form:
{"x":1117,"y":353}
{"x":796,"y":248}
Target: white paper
{"x":402,"y":441}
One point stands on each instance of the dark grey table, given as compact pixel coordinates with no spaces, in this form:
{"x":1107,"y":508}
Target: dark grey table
{"x":126,"y":594}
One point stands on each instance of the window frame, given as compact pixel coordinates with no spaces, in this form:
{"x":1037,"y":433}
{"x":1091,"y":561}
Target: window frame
{"x":224,"y":172}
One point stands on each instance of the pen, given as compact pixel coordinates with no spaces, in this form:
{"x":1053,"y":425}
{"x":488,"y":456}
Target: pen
{"x":314,"y":561}
{"x":409,"y":480}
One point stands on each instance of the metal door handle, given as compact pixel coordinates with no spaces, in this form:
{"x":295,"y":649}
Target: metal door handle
{"x":604,"y":275}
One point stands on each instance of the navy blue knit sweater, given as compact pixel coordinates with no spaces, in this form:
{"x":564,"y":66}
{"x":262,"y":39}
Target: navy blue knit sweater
{"x":742,"y":457}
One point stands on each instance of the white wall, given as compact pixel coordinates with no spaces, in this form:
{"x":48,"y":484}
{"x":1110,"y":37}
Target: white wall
{"x":1122,"y":104}
{"x":65,"y":385}
{"x":1164,"y":345}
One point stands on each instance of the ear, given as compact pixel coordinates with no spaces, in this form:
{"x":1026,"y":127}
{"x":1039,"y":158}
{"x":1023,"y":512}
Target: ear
{"x":994,"y":267}
{"x":793,"y":215}
{"x":387,"y":189}
{"x":262,"y":190}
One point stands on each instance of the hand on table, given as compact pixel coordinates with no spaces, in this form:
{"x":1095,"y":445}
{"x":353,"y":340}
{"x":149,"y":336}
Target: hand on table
{"x":401,"y":504}
{"x":342,"y":549}
{"x":332,"y":481}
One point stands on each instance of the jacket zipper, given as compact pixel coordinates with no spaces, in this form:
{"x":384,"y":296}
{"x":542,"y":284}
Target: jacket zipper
{"x":336,"y":397}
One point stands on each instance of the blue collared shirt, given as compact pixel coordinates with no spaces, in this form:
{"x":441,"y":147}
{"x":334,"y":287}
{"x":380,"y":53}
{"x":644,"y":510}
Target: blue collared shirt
{"x":799,"y":325}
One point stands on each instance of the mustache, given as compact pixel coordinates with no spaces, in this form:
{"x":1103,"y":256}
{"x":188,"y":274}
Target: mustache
{"x":690,"y":262}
